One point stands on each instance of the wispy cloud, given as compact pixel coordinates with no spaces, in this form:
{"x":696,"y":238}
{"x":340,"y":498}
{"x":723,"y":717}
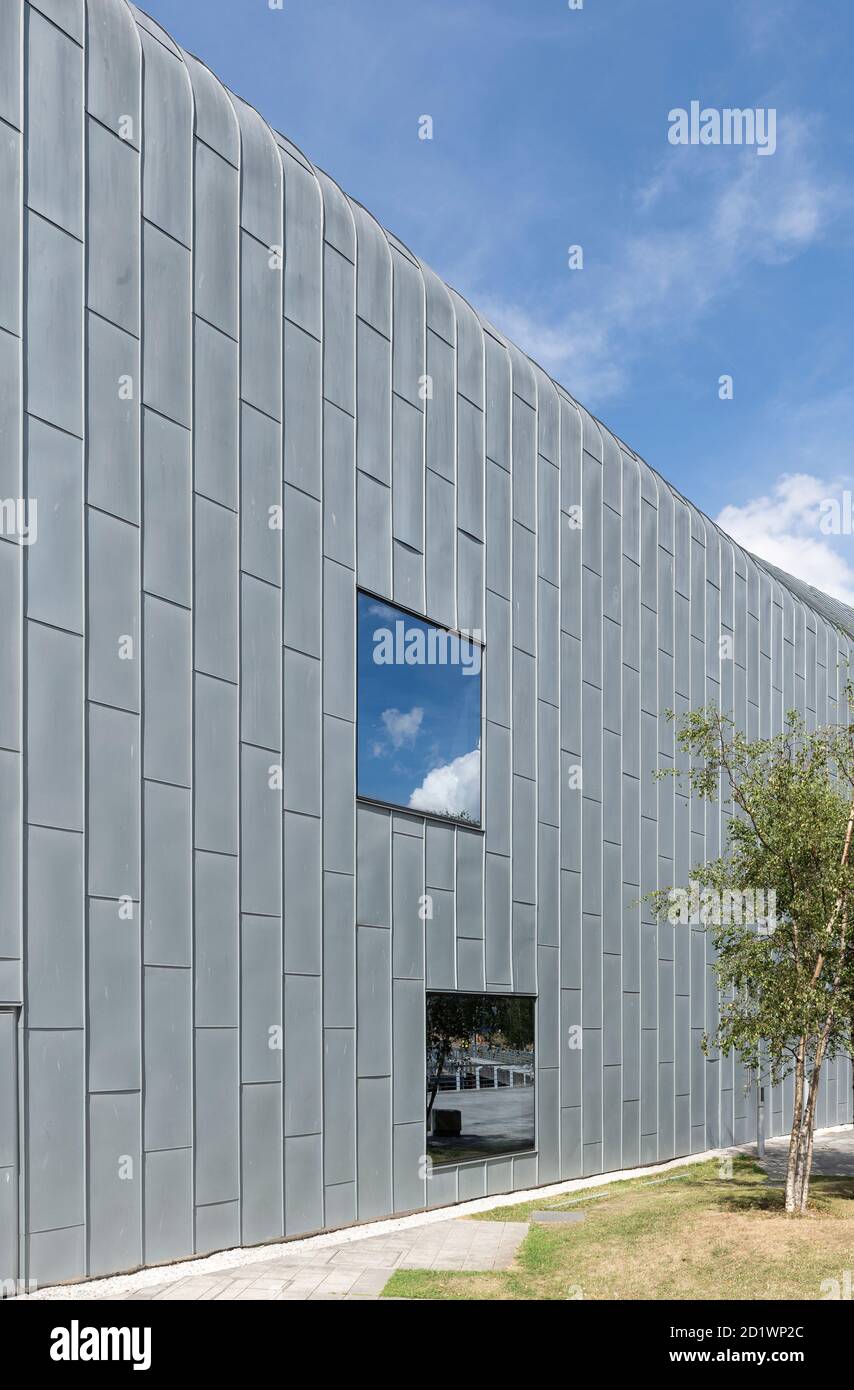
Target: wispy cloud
{"x":706,"y":217}
{"x":765,"y":23}
{"x":402,"y":728}
{"x":784,"y":527}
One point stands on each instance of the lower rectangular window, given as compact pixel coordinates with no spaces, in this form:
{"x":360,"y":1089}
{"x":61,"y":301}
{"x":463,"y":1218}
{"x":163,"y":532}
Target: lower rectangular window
{"x":480,"y":1075}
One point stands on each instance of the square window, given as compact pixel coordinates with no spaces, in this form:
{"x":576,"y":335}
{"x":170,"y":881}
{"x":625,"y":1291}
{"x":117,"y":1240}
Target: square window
{"x":419,"y":714}
{"x":480,"y":1076}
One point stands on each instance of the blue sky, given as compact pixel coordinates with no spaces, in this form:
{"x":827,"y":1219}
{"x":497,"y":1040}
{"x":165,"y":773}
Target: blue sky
{"x":550,"y":130}
{"x":419,"y":724}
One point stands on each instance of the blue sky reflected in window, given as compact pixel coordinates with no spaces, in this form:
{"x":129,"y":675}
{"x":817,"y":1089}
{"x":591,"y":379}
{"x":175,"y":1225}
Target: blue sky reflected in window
{"x":419,"y":713}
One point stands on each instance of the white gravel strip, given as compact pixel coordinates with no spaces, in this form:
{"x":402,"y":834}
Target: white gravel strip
{"x":121,"y":1284}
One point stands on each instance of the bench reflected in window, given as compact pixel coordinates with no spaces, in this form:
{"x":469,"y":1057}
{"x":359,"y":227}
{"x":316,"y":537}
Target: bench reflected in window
{"x":480,"y":1075}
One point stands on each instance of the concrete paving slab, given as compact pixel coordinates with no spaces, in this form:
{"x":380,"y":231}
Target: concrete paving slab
{"x":355,"y":1269}
{"x":558,"y":1218}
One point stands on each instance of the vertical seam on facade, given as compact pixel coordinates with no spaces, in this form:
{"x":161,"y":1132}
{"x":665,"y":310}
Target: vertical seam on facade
{"x":22,"y":1067}
{"x":140,"y":481}
{"x":140,"y":411}
{"x":322,"y":691}
{"x":354,"y":605}
{"x":84,"y":466}
{"x":535,"y":643}
{"x":241,"y":229}
{"x":455,"y":407}
{"x":192,"y":711}
{"x":281,"y":650}
{"x":559,"y":806}
{"x":484,"y":675}
{"x":389,"y":818}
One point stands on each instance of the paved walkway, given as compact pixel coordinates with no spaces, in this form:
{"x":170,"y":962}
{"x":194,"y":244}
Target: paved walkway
{"x":833,"y":1155}
{"x":354,"y":1269}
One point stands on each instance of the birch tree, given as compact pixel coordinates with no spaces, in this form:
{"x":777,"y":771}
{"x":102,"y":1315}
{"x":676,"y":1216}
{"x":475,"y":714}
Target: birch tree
{"x":786,"y":986}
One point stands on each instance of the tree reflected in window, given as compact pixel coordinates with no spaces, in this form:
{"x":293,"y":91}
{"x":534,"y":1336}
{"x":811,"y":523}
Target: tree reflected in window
{"x":480,"y":1075}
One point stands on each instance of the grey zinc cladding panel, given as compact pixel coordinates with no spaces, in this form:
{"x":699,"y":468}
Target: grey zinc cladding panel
{"x":167,"y":873}
{"x":10,"y":654}
{"x":54,"y":761}
{"x":415,"y":452}
{"x":217,"y":1226}
{"x":215,"y":251}
{"x":113,"y":617}
{"x":115,"y":1210}
{"x":11,"y":84}
{"x":339,"y":1105}
{"x":261,"y":496}
{"x":54,"y":1118}
{"x":113,"y":995}
{"x":167,"y":691}
{"x":112,"y":287}
{"x":54,"y":289}
{"x":217,"y":926}
{"x":215,"y":435}
{"x":112,"y":473}
{"x":167,"y":1110}
{"x":167,"y":123}
{"x":55,"y":566}
{"x":10,"y":229}
{"x":113,"y":811}
{"x":53,"y":120}
{"x":55,"y":939}
{"x":113,"y":60}
{"x":11,"y":833}
{"x":167,"y":504}
{"x":261,"y":1165}
{"x":216,"y":1118}
{"x":168,"y":1229}
{"x":166,"y":325}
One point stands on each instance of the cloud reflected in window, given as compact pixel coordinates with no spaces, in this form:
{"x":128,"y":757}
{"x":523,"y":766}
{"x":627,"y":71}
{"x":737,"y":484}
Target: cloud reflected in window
{"x":419,"y":711}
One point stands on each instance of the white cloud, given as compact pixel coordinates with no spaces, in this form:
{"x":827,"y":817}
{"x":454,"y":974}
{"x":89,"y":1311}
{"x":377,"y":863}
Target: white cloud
{"x":704,"y":217}
{"x":402,"y":729}
{"x":765,"y":25}
{"x":452,"y":789}
{"x":782,"y":527}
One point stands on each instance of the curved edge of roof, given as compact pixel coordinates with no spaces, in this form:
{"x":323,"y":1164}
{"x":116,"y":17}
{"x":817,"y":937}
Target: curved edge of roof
{"x":840,"y":615}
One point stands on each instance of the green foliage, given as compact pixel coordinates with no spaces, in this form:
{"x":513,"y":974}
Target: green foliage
{"x":454,"y":1020}
{"x":786,"y":989}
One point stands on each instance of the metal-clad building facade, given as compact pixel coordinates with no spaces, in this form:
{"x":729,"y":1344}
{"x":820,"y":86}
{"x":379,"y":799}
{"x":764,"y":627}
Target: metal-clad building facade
{"x":197,"y":326}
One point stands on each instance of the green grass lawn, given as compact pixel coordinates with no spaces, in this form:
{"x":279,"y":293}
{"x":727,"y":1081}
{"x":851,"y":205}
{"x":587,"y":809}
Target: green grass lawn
{"x":690,"y":1235}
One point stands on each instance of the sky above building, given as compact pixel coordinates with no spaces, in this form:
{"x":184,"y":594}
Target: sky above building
{"x":707,"y":317}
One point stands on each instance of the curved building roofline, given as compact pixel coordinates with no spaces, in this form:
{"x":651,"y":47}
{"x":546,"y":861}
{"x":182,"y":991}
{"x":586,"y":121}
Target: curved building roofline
{"x":840,"y":615}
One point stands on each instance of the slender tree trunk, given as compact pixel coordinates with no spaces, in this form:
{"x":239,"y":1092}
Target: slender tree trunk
{"x":801,"y":1184}
{"x":792,"y":1164}
{"x":435,"y":1087}
{"x":807,"y":1132}
{"x":806,"y":1173}
{"x":801,"y":1143}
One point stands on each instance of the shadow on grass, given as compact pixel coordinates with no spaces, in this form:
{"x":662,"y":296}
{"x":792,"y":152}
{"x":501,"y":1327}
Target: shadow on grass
{"x":744,"y":1197}
{"x":833,"y":1187}
{"x":741,"y":1200}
